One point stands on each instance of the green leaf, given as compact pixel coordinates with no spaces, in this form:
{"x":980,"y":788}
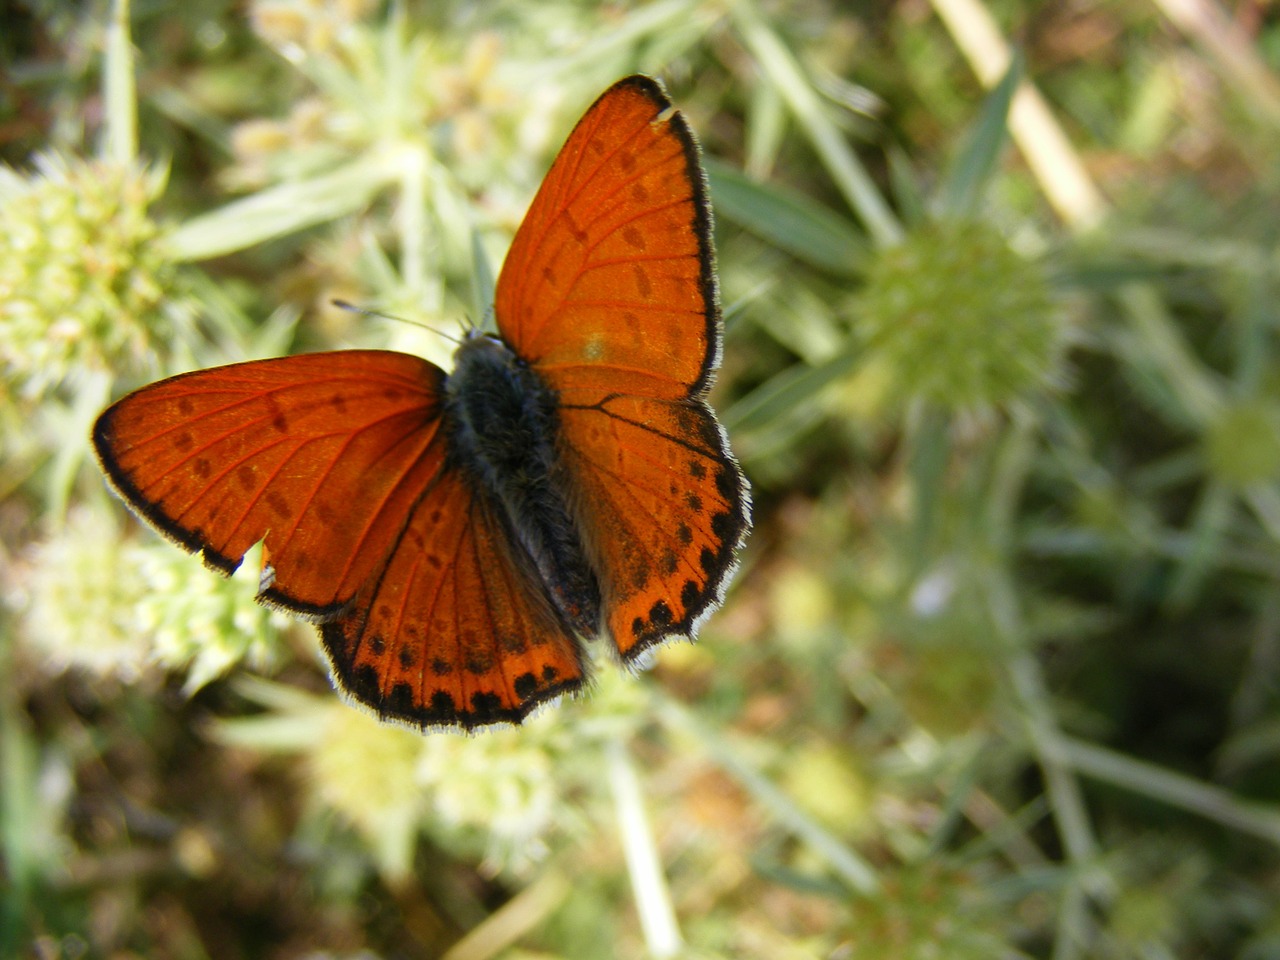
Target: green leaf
{"x":281,"y":210}
{"x":907,"y":189}
{"x":784,"y":393}
{"x":976,"y":162}
{"x":790,"y":221}
{"x":929,"y":448}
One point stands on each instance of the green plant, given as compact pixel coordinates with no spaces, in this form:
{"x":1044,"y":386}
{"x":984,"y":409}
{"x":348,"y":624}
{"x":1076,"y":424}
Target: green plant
{"x":998,"y":677}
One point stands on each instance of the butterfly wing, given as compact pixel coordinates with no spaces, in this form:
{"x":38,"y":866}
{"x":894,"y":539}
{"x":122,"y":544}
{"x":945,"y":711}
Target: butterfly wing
{"x":455,"y":630}
{"x":609,"y":286}
{"x":669,"y":507}
{"x":321,"y":456}
{"x":338,"y":462}
{"x":609,"y":292}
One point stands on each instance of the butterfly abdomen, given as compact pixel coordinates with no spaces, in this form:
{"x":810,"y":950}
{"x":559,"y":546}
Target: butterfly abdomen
{"x":501,"y":421}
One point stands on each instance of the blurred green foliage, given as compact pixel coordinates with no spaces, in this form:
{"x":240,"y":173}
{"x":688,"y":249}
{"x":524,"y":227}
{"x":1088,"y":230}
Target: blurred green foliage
{"x":1000,"y":675}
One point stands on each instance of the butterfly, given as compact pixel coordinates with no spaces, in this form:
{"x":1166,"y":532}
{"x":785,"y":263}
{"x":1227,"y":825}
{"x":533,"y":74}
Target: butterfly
{"x":458,"y":536}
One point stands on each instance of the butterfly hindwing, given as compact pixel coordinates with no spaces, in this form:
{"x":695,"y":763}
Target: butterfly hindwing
{"x":668,"y":505}
{"x":454,"y":631}
{"x":320,"y":455}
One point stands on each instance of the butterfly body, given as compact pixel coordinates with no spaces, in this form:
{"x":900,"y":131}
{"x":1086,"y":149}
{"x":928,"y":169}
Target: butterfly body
{"x":458,"y":536}
{"x":501,"y":425}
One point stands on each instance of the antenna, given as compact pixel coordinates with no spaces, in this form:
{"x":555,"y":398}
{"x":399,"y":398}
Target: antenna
{"x":364,"y":311}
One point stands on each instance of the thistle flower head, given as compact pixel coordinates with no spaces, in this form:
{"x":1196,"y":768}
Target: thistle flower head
{"x":306,"y":26}
{"x":960,"y":320}
{"x":97,"y":601}
{"x":367,"y":772}
{"x":495,"y":795}
{"x":77,"y":594}
{"x":497,"y":792}
{"x":1242,"y":445}
{"x":81,"y":276}
{"x":201,"y":623}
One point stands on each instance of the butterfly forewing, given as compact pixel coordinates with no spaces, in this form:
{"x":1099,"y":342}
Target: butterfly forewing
{"x":608,"y":284}
{"x":609,"y":291}
{"x":320,"y":455}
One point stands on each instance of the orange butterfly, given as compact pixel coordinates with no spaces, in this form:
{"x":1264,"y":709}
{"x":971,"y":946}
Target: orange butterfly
{"x":455,"y":536}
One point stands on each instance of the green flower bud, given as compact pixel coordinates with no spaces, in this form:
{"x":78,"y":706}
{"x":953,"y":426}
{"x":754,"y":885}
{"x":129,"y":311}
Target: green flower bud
{"x":200,"y":622}
{"x":113,"y":607}
{"x":496,"y":794}
{"x":959,"y":319}
{"x":81,"y":275}
{"x":367,"y":772}
{"x":77,"y":594}
{"x":1242,"y":446}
